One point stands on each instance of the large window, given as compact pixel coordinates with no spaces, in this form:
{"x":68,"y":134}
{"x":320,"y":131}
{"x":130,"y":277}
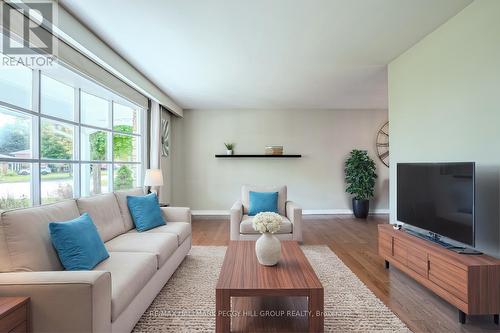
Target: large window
{"x":15,"y":86}
{"x":63,"y":136}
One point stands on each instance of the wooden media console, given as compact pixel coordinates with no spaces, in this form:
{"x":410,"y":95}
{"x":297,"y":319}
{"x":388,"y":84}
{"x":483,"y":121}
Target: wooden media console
{"x":469,"y":282}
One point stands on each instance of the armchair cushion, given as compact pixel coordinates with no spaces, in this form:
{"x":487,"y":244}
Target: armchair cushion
{"x":246,"y":226}
{"x":262,"y":202}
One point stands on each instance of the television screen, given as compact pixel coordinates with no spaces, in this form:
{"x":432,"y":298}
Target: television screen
{"x":438,"y":197}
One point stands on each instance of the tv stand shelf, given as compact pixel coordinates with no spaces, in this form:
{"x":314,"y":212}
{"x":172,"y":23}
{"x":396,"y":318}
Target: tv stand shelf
{"x":469,"y":282}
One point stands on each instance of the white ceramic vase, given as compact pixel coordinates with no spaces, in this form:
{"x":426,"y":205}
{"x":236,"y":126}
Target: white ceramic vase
{"x":229,"y":152}
{"x":268,"y":249}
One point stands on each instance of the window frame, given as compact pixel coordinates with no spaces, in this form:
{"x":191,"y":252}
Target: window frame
{"x":36,"y":161}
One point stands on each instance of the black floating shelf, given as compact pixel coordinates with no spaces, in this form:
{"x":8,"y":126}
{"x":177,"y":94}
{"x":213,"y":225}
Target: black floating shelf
{"x":258,"y":156}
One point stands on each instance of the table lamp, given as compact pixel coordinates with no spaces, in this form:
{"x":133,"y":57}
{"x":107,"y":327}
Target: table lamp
{"x":153,"y":178}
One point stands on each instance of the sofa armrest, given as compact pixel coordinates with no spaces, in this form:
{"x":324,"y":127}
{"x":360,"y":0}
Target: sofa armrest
{"x":177,"y":214}
{"x":236,"y":214}
{"x":63,"y":301}
{"x":294,"y":214}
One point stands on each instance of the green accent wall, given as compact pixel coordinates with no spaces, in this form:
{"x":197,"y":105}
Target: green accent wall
{"x":444,"y":105}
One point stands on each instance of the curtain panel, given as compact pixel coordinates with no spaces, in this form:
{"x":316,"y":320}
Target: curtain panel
{"x":154,"y":136}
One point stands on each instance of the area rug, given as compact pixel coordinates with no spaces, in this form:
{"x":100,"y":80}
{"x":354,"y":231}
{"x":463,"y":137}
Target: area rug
{"x":187,"y":302}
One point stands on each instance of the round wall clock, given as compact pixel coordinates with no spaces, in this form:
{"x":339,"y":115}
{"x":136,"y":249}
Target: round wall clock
{"x":383,"y":144}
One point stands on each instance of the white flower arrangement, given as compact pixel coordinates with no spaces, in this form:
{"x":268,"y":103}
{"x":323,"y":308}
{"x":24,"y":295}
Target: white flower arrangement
{"x":267,"y":222}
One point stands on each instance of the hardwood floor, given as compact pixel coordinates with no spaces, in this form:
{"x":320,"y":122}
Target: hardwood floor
{"x":355,"y":243}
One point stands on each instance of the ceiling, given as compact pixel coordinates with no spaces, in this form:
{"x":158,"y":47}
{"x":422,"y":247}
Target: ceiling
{"x":308,"y":54}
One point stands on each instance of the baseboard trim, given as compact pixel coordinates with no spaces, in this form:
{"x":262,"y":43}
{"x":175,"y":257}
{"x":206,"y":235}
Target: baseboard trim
{"x":304,"y":212}
{"x":339,"y":211}
{"x":210,"y":212}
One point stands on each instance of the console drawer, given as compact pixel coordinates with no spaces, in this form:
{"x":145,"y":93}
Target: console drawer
{"x":417,"y":261}
{"x":448,"y":276}
{"x":400,"y":251}
{"x":384,"y":245}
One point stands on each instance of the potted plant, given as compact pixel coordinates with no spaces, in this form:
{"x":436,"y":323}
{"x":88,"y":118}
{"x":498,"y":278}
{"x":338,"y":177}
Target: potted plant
{"x":360,"y":178}
{"x":229,"y":148}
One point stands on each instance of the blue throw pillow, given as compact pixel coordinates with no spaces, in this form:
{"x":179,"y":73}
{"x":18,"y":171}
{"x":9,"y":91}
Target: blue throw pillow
{"x":145,"y":211}
{"x":78,"y":243}
{"x":262,"y":202}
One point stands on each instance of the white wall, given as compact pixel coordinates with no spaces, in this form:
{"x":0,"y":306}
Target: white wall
{"x":444,"y":105}
{"x":315,"y":181}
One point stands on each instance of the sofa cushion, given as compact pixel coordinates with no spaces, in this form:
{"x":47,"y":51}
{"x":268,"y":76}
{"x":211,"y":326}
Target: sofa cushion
{"x":246,"y":226}
{"x":104,"y":211}
{"x":145,"y":211}
{"x":121,"y":197}
{"x":245,"y":190}
{"x":181,"y":229}
{"x":78,"y":243}
{"x":129,"y":274}
{"x":25,"y":237}
{"x":160,"y":244}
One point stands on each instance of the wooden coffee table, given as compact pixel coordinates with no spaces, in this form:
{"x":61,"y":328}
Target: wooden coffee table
{"x":241,"y":275}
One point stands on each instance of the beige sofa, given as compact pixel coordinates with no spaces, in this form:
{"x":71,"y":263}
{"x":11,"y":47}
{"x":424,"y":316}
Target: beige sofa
{"x":241,"y":227}
{"x":113,"y":296}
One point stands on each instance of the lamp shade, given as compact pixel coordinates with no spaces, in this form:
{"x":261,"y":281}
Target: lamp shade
{"x":153,"y":177}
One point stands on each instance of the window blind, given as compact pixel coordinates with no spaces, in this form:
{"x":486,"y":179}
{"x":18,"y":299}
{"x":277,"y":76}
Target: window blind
{"x":78,"y":61}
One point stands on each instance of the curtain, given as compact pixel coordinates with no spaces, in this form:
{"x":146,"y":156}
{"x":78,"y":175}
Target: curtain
{"x":154,"y":138}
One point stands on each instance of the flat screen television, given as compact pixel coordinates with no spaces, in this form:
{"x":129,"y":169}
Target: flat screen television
{"x":438,"y":197}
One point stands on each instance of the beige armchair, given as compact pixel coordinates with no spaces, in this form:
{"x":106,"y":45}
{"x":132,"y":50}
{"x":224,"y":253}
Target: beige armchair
{"x":241,"y":224}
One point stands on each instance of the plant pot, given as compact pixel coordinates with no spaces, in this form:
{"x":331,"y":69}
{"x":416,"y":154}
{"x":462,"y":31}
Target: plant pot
{"x":268,"y":249}
{"x":229,"y":152}
{"x":360,"y":208}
